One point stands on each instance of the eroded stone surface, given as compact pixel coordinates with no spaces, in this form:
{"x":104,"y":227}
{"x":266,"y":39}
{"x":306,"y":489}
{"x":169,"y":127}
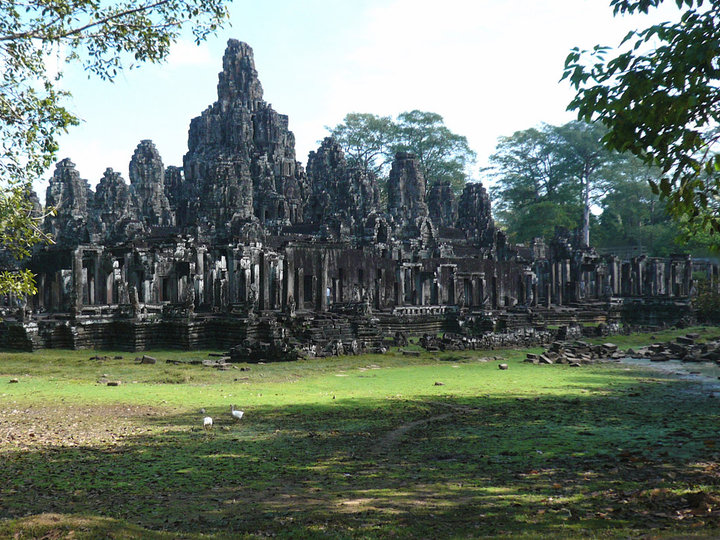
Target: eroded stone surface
{"x":241,"y":248}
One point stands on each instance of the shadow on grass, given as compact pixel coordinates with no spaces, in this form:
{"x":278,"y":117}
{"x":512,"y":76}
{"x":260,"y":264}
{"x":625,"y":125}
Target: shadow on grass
{"x":626,"y":459}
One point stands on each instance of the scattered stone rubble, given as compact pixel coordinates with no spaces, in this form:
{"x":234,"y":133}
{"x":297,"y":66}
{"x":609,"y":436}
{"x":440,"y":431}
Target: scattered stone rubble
{"x":490,"y":341}
{"x":685,"y":348}
{"x":576,"y":353}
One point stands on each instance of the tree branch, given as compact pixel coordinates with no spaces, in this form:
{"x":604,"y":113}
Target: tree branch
{"x":37,"y":33}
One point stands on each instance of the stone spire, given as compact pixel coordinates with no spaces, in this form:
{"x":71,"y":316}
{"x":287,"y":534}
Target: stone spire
{"x":406,"y":189}
{"x":241,"y":155}
{"x":442,"y":205}
{"x":339,"y":190}
{"x":475,"y":216}
{"x":147,"y":181}
{"x":238,"y":81}
{"x":71,"y":197}
{"x":114,"y":204}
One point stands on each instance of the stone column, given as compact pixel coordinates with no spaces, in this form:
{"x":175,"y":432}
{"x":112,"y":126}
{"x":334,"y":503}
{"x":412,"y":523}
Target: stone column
{"x":400,"y":280}
{"x":300,"y":299}
{"x":77,"y":281}
{"x":99,"y":283}
{"x":322,"y":281}
{"x":264,"y":283}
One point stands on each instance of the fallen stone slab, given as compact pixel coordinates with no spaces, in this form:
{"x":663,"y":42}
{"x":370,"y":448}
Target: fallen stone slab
{"x":114,"y":383}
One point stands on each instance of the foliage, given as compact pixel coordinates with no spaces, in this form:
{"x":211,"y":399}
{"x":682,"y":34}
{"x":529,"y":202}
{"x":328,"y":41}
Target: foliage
{"x":539,"y":220}
{"x":443,"y":156}
{"x":707,"y":301}
{"x":19,"y":231}
{"x":632,"y":215}
{"x":534,"y":452}
{"x":365,"y":139}
{"x":657,"y":95}
{"x":371,"y":142}
{"x":566,"y":168}
{"x":104,"y":37}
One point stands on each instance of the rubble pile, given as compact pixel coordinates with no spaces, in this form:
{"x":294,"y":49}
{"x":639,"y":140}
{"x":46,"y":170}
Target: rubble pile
{"x":455,"y":342}
{"x":576,"y":354}
{"x":685,"y":348}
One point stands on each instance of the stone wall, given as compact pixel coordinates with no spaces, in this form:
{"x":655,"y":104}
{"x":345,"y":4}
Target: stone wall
{"x":242,"y":233}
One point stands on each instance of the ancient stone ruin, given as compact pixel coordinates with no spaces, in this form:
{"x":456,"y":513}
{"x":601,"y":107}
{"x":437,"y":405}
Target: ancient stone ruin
{"x":242,"y":248}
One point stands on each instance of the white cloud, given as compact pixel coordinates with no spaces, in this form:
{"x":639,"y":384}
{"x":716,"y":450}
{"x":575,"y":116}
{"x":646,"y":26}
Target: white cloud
{"x":186,"y":54}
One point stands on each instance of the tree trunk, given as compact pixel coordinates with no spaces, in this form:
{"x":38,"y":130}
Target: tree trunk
{"x":586,"y":211}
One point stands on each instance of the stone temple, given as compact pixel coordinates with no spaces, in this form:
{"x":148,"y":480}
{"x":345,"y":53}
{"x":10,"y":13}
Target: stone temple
{"x":244,"y":248}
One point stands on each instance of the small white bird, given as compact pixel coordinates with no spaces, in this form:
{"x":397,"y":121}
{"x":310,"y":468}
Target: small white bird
{"x":207,"y":422}
{"x":237,"y":415}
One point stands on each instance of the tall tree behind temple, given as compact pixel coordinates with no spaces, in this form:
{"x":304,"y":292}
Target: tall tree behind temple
{"x":371,"y":141}
{"x":633,"y":216}
{"x":656,"y":94}
{"x":366,"y":138}
{"x":533,"y":190}
{"x":553,"y":175}
{"x":443,"y":155}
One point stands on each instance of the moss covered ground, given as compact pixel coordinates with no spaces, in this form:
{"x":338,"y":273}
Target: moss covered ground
{"x":443,"y":445}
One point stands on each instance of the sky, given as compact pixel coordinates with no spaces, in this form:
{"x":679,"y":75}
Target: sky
{"x":489,"y":67}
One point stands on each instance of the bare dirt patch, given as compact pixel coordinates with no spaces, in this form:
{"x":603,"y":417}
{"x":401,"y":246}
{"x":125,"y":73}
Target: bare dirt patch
{"x":63,"y":426}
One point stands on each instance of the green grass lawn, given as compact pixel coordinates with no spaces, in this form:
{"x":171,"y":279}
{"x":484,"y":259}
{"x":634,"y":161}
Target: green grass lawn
{"x":438,"y":446}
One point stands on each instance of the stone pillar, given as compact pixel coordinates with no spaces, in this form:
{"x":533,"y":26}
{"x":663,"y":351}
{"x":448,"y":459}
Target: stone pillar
{"x":300,"y":299}
{"x":400,"y":280}
{"x":286,"y":284}
{"x":98,"y":282}
{"x":548,"y":297}
{"x":77,"y":280}
{"x":264,"y":283}
{"x":688,"y":281}
{"x":232,"y":278}
{"x":322,"y":281}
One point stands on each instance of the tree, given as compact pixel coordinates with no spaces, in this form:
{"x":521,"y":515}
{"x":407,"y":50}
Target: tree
{"x":590,"y":164}
{"x":366,"y":140}
{"x":561,"y":171}
{"x":661,"y":102}
{"x":531,"y":183}
{"x":443,"y":155}
{"x":371,"y":141}
{"x":632,"y":215}
{"x":104,"y":37}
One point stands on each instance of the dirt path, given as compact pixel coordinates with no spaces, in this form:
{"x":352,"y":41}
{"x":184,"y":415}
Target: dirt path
{"x":388,"y":444}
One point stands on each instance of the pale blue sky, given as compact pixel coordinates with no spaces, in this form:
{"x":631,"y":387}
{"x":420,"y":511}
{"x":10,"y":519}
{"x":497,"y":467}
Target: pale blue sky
{"x":490,"y":67}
